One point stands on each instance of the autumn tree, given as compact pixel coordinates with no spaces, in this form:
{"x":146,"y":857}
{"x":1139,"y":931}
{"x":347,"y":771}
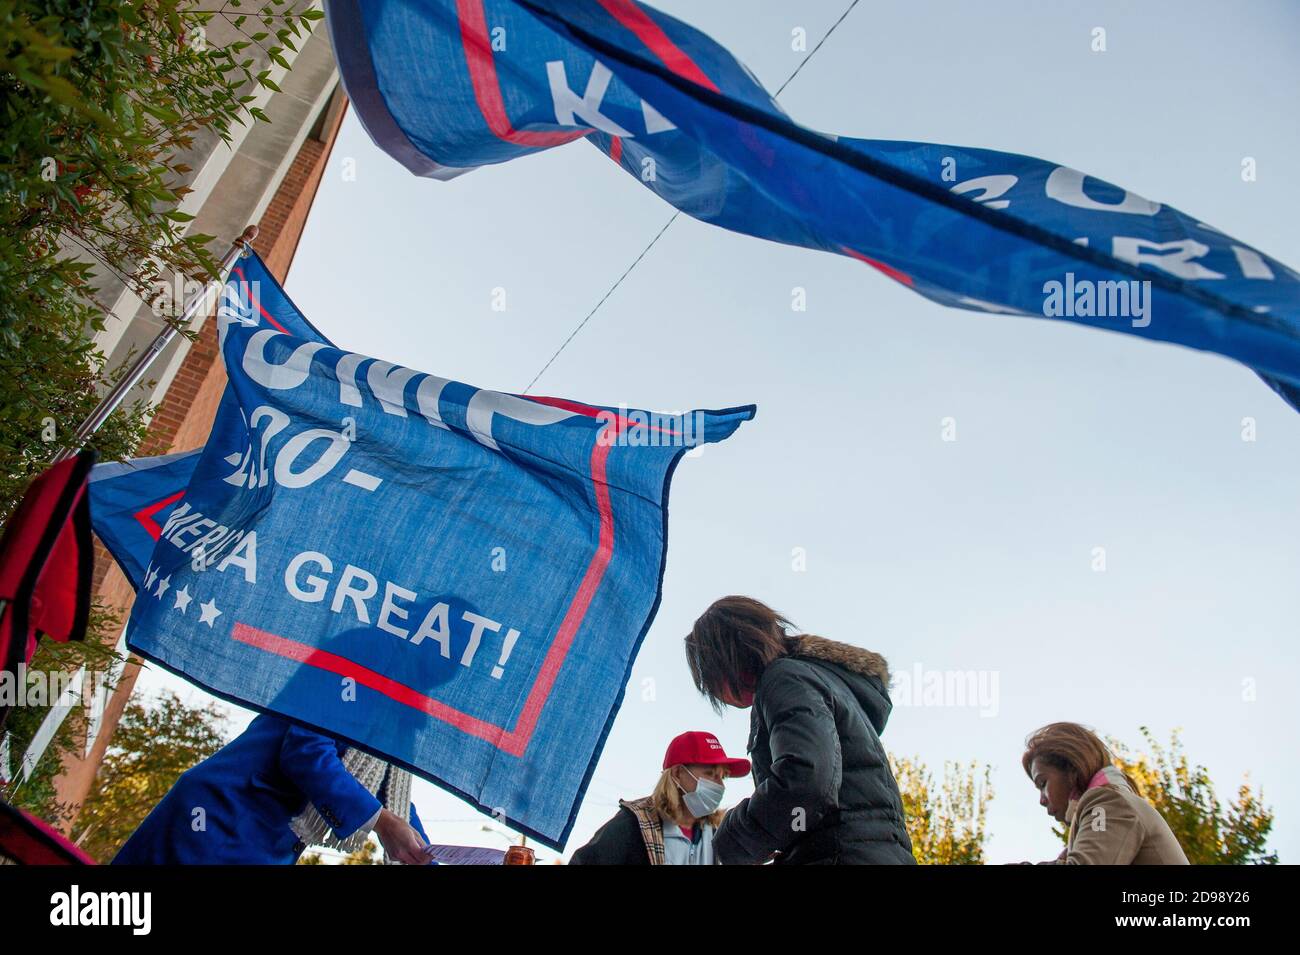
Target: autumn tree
{"x":1210,"y":832}
{"x":947,"y":821}
{"x":155,"y":742}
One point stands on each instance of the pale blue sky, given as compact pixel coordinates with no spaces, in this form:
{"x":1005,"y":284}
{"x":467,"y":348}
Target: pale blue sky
{"x":967,"y":555}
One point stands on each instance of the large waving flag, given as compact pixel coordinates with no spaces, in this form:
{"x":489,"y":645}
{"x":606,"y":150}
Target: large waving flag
{"x":455,"y":579}
{"x":445,"y":86}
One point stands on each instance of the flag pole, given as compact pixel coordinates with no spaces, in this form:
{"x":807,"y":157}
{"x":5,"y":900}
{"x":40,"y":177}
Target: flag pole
{"x":110,"y":401}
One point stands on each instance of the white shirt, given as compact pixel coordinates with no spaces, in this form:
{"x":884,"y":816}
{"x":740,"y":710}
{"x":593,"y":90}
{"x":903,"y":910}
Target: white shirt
{"x":679,"y":850}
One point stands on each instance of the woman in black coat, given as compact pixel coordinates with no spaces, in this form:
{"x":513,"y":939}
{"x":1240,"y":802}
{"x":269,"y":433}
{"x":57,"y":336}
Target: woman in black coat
{"x":824,"y":792}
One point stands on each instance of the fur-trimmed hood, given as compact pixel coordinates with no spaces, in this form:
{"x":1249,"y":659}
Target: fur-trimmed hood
{"x":853,"y":659}
{"x":864,"y":671}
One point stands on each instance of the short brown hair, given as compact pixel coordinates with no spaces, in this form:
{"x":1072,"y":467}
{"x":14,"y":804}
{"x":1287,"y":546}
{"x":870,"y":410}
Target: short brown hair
{"x":732,"y":644}
{"x":1069,"y":747}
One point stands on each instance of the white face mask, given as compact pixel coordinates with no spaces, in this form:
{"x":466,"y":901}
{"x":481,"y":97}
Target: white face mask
{"x":706,"y":798}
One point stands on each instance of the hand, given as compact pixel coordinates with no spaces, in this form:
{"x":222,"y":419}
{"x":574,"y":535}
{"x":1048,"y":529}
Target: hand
{"x":400,"y":840}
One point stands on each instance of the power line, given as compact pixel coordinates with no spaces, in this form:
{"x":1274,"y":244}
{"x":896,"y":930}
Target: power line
{"x":813,"y":51}
{"x":602,"y":301}
{"x":673,"y":218}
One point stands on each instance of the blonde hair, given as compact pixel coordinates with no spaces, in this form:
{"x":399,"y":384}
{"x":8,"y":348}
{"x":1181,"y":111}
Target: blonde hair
{"x":667,"y":799}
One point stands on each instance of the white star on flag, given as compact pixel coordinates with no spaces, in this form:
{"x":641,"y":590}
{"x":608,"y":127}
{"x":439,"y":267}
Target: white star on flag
{"x":163,"y":585}
{"x":150,"y":577}
{"x":208,"y":612}
{"x":183,"y":598}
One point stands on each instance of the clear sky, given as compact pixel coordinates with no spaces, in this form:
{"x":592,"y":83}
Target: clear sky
{"x":968,"y":555}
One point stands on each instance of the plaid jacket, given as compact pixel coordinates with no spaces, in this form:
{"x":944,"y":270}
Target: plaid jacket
{"x":652,"y":829}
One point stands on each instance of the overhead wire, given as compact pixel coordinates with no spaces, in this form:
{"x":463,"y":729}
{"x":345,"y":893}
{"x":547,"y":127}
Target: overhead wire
{"x":673,"y":218}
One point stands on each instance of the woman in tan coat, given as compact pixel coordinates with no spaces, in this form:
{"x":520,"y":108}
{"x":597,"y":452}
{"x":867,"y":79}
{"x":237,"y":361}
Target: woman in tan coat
{"x":1079,"y":784}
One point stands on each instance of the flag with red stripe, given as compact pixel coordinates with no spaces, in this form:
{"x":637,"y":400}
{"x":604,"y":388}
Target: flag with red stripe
{"x":454,"y":578}
{"x":447,"y":86}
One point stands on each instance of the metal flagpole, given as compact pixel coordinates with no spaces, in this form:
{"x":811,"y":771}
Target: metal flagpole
{"x":119,"y":392}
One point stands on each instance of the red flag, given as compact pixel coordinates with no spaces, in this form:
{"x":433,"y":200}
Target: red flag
{"x":25,"y":840}
{"x":46,"y":562}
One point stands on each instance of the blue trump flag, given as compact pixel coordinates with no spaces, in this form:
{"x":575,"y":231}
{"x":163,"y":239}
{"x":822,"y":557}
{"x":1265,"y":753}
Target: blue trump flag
{"x":445,"y":86}
{"x":130,"y":501}
{"x":455,"y":579}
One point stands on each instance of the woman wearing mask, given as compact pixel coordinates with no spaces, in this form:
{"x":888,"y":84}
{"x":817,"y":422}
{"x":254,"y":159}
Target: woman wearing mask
{"x":1079,"y":784}
{"x":824,"y":792}
{"x":674,"y":825}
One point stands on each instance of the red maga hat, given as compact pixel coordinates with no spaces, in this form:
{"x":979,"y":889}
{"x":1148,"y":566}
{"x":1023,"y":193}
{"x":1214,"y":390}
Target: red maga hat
{"x":703,"y":748}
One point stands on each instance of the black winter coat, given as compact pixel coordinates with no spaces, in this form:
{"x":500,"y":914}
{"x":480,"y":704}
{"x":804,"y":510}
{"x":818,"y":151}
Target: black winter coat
{"x":824,"y":792}
{"x":617,"y":842}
